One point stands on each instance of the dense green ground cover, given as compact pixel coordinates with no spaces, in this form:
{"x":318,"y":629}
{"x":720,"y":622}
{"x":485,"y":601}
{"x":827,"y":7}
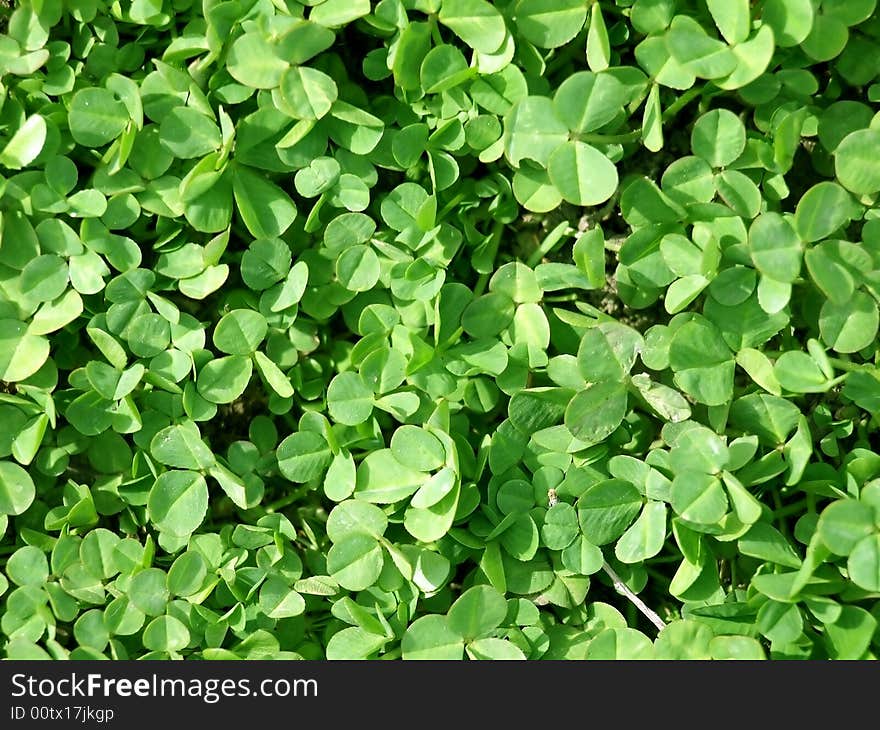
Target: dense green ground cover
{"x":439,"y":329}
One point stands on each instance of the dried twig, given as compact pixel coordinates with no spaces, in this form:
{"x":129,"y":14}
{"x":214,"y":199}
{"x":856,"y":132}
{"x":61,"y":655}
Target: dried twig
{"x":624,"y":590}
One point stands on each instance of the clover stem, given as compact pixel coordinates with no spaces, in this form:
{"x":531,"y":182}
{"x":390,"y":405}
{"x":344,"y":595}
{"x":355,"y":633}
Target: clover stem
{"x":451,"y":340}
{"x":778,"y":507}
{"x":435,"y":31}
{"x":551,"y":241}
{"x":633,"y":136}
{"x":624,"y":590}
{"x":445,"y":210}
{"x":791,"y":509}
{"x":494,"y":240}
{"x":286,"y":500}
{"x":811,"y":502}
{"x":612,"y":9}
{"x":658,"y":575}
{"x":847,"y":365}
{"x":682,"y":101}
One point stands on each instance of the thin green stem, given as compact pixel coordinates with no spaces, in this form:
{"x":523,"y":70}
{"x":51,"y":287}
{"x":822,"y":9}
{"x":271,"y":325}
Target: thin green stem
{"x":777,"y":508}
{"x":494,"y":241}
{"x":681,"y":102}
{"x":453,"y":203}
{"x":481,"y":284}
{"x":551,"y":241}
{"x":633,"y":136}
{"x":658,"y":576}
{"x":849,"y":366}
{"x":286,"y":500}
{"x":453,"y":339}
{"x":792,"y":509}
{"x":435,"y":30}
{"x":611,"y":9}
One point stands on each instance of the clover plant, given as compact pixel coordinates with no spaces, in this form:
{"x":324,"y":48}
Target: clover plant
{"x":439,"y":329}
